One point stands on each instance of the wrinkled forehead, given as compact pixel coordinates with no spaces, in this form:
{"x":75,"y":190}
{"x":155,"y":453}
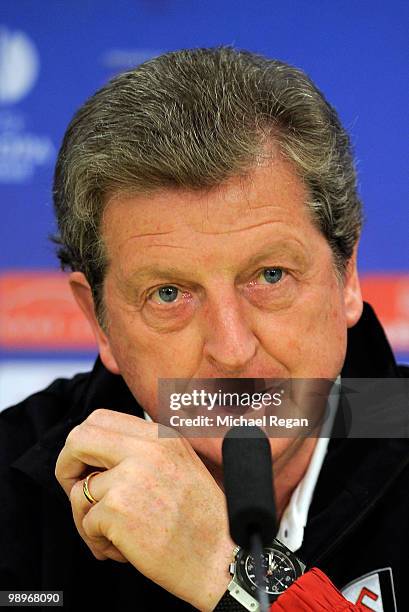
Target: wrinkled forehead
{"x":271,"y":194}
{"x":183,"y":235}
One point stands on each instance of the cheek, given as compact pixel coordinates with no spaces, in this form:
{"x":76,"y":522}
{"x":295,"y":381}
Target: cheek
{"x":309,"y":340}
{"x":137,"y":347}
{"x":143,"y":357}
{"x":326,"y":337}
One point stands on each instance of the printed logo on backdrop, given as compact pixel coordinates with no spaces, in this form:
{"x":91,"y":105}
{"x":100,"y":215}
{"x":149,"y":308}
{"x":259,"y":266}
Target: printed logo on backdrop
{"x":21,"y":151}
{"x":38,"y":312}
{"x":389,"y":295}
{"x":19,"y":65}
{"x":374,"y":591}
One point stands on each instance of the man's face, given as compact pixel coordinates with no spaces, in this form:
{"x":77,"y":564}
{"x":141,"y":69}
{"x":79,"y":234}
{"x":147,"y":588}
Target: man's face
{"x":235,"y":282}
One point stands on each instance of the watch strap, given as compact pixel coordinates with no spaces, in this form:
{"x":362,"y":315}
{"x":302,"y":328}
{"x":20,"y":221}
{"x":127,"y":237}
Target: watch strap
{"x":228,"y":603}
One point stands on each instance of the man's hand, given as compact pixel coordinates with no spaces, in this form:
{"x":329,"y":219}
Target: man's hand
{"x":158,"y":506}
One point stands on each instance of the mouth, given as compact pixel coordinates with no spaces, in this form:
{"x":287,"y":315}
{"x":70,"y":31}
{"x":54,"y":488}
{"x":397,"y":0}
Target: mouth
{"x":234,"y":409}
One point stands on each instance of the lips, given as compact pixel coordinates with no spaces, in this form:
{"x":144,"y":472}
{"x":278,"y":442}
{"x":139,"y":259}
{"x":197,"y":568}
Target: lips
{"x":237,"y":410}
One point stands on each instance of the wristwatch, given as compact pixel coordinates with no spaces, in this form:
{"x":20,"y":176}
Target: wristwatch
{"x":281,"y":568}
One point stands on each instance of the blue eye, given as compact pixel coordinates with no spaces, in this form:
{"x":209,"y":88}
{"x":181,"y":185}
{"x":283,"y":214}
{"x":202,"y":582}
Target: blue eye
{"x":273,"y":275}
{"x":168,"y":293}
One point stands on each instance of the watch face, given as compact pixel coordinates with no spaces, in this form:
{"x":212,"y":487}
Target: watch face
{"x":278,"y":568}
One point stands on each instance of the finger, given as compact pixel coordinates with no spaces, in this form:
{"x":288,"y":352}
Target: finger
{"x":100,"y":546}
{"x":87,"y":445}
{"x":95,"y":524}
{"x":120,"y":422}
{"x":132,"y":425}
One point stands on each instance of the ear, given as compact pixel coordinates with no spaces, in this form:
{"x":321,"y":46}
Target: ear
{"x":83,"y":296}
{"x":352,"y":291}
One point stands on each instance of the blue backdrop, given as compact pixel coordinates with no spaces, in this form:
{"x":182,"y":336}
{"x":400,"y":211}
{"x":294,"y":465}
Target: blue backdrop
{"x":53,"y":55}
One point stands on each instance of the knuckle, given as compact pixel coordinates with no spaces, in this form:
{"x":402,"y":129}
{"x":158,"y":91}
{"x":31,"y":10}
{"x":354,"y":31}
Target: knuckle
{"x":116,"y":500}
{"x":78,"y":434}
{"x":112,"y":501}
{"x":72,"y":436}
{"x":75,"y":436}
{"x":129,"y":462}
{"x":130,"y":466}
{"x":97,"y":416}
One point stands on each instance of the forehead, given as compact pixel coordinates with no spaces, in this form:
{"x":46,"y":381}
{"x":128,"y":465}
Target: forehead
{"x":267,"y":205}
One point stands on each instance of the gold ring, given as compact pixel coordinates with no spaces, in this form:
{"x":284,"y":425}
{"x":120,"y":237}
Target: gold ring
{"x":85,"y":488}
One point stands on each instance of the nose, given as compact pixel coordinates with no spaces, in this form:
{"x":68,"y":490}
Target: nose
{"x":230,"y":343}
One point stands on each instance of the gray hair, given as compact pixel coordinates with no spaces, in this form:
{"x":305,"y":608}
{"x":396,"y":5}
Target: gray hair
{"x":192,"y":119}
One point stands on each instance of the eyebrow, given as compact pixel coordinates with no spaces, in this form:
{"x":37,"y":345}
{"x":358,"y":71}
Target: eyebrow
{"x":283,"y":247}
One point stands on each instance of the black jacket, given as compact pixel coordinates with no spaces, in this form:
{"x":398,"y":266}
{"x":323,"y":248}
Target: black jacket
{"x":358,"y":521}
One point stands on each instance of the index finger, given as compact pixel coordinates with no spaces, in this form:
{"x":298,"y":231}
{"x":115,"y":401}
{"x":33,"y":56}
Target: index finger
{"x":89,"y":445}
{"x":122,"y":422}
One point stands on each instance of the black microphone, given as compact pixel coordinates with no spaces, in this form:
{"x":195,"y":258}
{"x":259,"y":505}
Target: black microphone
{"x":248,"y":485}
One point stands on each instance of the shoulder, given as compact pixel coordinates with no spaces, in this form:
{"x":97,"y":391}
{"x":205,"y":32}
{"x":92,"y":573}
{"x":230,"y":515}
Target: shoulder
{"x":25,"y":531}
{"x":24,"y":423}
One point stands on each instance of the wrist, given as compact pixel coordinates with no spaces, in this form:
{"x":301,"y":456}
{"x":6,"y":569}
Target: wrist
{"x":214,"y":582}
